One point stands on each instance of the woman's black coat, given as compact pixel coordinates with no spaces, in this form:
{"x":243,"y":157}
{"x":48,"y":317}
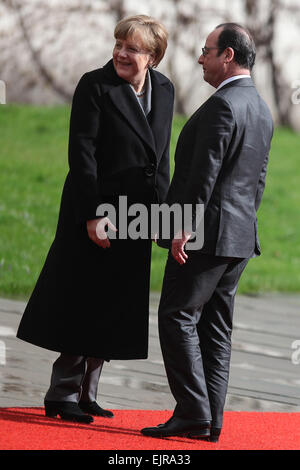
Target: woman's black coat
{"x":88,"y":300}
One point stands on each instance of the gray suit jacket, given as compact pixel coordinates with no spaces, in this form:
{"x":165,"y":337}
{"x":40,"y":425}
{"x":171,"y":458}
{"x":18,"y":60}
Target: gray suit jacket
{"x":220,"y":161}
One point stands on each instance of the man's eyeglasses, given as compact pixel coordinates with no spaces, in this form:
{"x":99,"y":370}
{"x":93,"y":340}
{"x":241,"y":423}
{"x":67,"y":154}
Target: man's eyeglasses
{"x":205,"y":50}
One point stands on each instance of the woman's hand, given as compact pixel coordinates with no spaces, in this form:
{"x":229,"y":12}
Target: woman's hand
{"x":155,"y":237}
{"x":178,"y":244}
{"x":96,"y":231}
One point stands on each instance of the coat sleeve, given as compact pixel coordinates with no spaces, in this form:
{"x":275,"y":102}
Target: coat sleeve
{"x":209,"y":147}
{"x":84,"y":130}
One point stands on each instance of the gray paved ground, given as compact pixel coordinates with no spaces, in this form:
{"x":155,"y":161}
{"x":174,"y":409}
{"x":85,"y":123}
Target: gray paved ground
{"x":263,"y":375}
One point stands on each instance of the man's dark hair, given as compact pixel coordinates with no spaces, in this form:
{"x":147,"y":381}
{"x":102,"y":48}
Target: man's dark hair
{"x":240,"y":40}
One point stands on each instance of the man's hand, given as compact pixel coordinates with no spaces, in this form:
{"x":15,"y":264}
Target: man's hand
{"x":178,"y":244}
{"x":96,"y":231}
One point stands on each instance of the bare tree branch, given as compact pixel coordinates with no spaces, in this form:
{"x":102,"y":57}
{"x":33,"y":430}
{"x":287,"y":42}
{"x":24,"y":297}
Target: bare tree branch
{"x":35,"y":55}
{"x":118,"y":8}
{"x":264,"y":33}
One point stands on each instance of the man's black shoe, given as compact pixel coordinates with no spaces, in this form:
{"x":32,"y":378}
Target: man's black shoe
{"x":180,"y":427}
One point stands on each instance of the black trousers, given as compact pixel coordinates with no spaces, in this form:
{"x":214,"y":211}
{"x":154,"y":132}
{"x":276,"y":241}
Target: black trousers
{"x":74,"y":378}
{"x":195,"y":326}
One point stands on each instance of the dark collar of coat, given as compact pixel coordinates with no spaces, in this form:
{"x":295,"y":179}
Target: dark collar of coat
{"x":124,"y":99}
{"x":245,"y":81}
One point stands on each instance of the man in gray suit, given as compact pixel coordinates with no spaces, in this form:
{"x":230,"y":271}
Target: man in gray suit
{"x":220,"y":162}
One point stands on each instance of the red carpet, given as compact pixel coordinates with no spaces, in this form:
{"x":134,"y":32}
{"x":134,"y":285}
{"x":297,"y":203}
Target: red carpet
{"x":29,"y":429}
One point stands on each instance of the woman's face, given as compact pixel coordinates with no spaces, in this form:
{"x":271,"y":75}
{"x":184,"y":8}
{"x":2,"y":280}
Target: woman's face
{"x":131,"y":60}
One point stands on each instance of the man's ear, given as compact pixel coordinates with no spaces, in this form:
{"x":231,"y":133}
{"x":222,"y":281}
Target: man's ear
{"x":229,"y":55}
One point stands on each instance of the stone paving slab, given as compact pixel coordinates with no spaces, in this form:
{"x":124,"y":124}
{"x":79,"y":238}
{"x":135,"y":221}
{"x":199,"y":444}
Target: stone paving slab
{"x":263,"y":376}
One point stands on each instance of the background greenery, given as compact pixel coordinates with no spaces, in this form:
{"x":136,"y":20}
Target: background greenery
{"x":33,"y":166}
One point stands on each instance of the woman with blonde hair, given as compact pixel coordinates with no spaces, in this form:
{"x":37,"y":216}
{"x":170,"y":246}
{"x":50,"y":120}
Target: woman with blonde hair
{"x":91,"y":301}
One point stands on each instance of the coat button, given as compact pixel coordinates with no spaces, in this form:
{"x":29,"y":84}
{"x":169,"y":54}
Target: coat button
{"x":150,"y":169}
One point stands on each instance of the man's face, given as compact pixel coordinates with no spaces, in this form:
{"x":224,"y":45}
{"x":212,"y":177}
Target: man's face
{"x":213,"y":65}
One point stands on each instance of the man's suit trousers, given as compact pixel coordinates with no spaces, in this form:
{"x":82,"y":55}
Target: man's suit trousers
{"x":195,"y":326}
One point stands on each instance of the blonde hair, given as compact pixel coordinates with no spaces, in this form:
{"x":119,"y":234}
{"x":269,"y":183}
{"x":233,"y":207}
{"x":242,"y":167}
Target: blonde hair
{"x":152,"y":32}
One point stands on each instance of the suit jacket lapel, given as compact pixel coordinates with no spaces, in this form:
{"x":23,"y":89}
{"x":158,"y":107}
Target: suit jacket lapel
{"x":123,"y":98}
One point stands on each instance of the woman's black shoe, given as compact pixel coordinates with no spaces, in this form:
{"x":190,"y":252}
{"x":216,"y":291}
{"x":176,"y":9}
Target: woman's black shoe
{"x":67,"y":410}
{"x":94,"y":409}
